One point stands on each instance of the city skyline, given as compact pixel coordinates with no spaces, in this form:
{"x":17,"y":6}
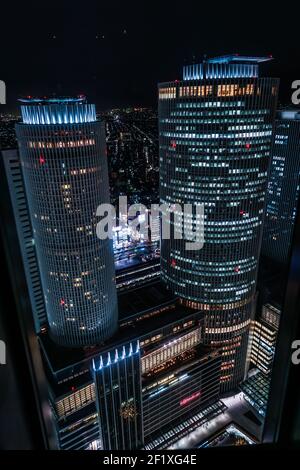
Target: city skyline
{"x":142,"y":343}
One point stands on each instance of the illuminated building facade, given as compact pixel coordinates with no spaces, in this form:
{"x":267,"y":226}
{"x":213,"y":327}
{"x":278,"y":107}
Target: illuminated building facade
{"x":263,"y":336}
{"x":119,"y":398}
{"x":283,"y":187}
{"x":62,"y":153}
{"x":168,"y":400}
{"x":215,"y":131}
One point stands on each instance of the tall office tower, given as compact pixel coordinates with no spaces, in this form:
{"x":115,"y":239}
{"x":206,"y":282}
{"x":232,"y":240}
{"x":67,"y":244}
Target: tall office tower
{"x":119,"y":401}
{"x":65,"y":174}
{"x":283,"y":187}
{"x":11,"y":161}
{"x":215,"y":130}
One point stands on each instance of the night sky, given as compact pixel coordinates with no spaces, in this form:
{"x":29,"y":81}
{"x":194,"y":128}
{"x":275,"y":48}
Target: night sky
{"x":116,"y":52}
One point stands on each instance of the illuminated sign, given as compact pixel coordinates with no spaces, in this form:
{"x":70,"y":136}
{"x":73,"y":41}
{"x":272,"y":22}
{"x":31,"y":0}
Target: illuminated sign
{"x":187,"y":400}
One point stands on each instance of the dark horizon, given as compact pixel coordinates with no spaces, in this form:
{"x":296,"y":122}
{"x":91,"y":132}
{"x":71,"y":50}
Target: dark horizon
{"x":117,"y":53}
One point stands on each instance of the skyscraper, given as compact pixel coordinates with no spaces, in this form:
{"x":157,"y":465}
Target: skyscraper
{"x":62,"y":152}
{"x":15,"y":182}
{"x":283,"y":187}
{"x":215,"y":130}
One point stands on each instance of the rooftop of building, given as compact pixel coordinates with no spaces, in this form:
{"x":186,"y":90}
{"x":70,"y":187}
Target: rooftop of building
{"x":56,"y":110}
{"x":45,"y":100}
{"x":238,"y":59}
{"x":256,"y":390}
{"x":141,"y":312}
{"x":231,"y":66}
{"x":230,"y":435}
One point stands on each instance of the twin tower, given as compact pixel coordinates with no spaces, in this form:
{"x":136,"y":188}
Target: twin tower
{"x":64,"y":165}
{"x":215,"y":130}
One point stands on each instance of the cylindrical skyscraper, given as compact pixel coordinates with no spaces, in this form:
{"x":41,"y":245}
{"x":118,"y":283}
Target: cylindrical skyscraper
{"x":215,"y":131}
{"x":62,"y":152}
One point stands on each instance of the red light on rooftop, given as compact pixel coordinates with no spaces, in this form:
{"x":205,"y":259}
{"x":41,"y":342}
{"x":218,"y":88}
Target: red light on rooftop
{"x":73,"y":388}
{"x":237,"y":269}
{"x":248,"y":146}
{"x":173,"y":263}
{"x":242,"y":212}
{"x":42,"y":160}
{"x":62,"y":302}
{"x":173,"y":144}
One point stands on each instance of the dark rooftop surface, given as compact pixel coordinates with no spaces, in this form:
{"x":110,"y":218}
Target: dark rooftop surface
{"x":131,"y":305}
{"x":147,"y":297}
